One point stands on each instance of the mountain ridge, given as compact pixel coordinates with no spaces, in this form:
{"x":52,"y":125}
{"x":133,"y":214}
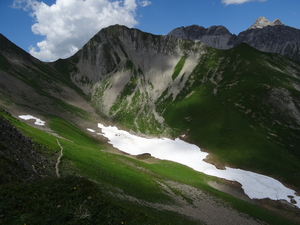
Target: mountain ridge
{"x":262,"y":22}
{"x":266,"y":36}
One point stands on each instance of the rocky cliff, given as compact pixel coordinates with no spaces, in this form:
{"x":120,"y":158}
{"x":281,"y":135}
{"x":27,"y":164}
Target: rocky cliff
{"x":264,"y":35}
{"x":126,"y":71}
{"x":215,"y":36}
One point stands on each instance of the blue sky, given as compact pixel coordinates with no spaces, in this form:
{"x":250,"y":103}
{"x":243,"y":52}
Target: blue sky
{"x":52,"y":29}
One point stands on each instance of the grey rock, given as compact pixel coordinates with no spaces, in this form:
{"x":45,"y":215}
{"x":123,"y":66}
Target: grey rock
{"x":264,"y":35}
{"x":262,"y":22}
{"x":19,"y":158}
{"x":214,"y":36}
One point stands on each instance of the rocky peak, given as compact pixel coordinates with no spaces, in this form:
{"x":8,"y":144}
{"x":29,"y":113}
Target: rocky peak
{"x":214,"y":36}
{"x":11,"y":51}
{"x":196,"y":32}
{"x":262,"y":22}
{"x":263,"y":35}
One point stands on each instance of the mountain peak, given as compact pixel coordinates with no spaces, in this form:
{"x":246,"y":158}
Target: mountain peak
{"x":262,"y":22}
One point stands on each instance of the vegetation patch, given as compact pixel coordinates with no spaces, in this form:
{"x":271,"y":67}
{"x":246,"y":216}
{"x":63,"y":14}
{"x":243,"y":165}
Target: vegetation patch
{"x":178,"y":67}
{"x":70,"y":200}
{"x":234,"y":122}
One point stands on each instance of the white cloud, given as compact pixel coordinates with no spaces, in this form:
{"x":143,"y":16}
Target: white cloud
{"x":237,"y":2}
{"x":68,"y":24}
{"x":144,"y":3}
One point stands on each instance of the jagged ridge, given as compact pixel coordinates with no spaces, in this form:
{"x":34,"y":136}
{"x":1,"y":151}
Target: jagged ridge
{"x":127,"y":71}
{"x":263,"y":35}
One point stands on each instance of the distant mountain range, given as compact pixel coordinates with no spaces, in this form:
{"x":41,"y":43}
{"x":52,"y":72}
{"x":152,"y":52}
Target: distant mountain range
{"x":263,"y":35}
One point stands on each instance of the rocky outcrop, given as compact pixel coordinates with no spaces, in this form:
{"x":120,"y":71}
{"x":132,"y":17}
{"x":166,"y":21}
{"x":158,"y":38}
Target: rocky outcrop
{"x":120,"y":66}
{"x":19,"y":158}
{"x":264,"y":35}
{"x":215,"y":36}
{"x":280,"y":39}
{"x":262,"y":22}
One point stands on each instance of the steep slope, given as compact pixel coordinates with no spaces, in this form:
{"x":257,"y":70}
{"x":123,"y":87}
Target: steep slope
{"x":215,"y":36}
{"x":31,"y":86}
{"x":243,"y":106}
{"x":240,"y":104}
{"x":21,"y":158}
{"x":126,"y":71}
{"x":263,"y":35}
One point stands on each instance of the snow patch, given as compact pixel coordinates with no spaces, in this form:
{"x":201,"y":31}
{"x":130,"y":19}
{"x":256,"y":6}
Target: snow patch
{"x":91,"y":130}
{"x":255,"y":185}
{"x":37,"y":120}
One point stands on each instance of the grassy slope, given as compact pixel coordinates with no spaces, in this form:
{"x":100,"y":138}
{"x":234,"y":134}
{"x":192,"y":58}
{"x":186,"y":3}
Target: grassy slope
{"x":216,"y":123}
{"x":88,"y":158}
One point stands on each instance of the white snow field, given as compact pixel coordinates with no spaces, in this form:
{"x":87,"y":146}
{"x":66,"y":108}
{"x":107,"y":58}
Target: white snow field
{"x":255,"y":185}
{"x":37,"y":120}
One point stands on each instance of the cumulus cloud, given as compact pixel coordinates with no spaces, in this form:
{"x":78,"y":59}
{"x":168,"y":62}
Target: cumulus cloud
{"x":237,"y":2}
{"x":68,"y":24}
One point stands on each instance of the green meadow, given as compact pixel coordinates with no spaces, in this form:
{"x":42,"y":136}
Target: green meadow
{"x":93,"y":181}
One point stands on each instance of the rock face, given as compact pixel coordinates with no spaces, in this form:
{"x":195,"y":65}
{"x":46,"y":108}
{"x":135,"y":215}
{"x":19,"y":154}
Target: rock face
{"x":119,"y":67}
{"x":215,"y":36}
{"x":264,"y":35}
{"x":19,"y":158}
{"x":262,"y":22}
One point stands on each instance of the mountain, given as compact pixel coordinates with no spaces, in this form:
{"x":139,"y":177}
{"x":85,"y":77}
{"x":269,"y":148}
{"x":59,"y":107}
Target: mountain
{"x":226,"y":101}
{"x":29,"y":85}
{"x":215,"y":36}
{"x":262,"y":22}
{"x":239,"y":104}
{"x":264,"y":35}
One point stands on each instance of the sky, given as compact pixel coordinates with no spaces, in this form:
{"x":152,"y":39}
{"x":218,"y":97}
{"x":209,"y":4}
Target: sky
{"x":52,"y":29}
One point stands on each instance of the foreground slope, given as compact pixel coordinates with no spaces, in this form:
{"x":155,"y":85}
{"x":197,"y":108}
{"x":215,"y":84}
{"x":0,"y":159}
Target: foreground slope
{"x":124,"y":190}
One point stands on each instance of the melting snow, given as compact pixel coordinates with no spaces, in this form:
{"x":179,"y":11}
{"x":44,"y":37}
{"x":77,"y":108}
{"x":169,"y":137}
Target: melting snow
{"x":37,"y":120}
{"x":255,"y":185}
{"x":91,"y":130}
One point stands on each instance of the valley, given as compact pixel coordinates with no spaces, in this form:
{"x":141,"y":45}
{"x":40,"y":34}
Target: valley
{"x":240,"y":105}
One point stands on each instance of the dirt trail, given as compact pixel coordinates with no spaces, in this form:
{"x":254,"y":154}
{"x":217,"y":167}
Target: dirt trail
{"x":58,"y":159}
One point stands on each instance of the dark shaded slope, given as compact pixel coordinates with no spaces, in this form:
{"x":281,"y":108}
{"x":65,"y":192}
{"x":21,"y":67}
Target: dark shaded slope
{"x":31,"y":86}
{"x":9,"y":49}
{"x":21,"y":158}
